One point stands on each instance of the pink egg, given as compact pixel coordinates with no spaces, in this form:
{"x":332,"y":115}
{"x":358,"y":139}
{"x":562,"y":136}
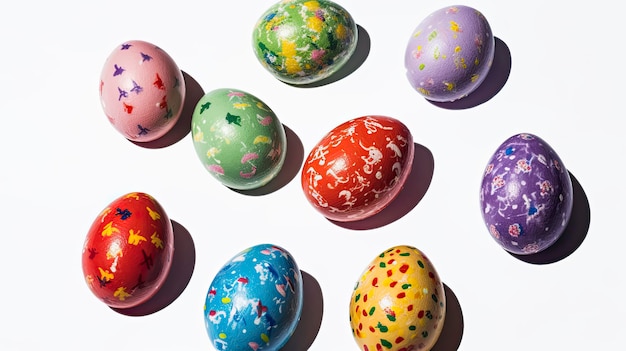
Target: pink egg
{"x":142,"y":91}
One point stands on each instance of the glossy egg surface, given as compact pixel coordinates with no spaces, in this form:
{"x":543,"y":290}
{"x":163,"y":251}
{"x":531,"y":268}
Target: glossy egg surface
{"x":526,"y":195}
{"x":449,"y":53}
{"x":238,"y":138}
{"x":302,"y":41}
{"x":358,"y":168}
{"x":128,"y":251}
{"x":142,"y":91}
{"x":398,"y":303}
{"x":255,"y":300}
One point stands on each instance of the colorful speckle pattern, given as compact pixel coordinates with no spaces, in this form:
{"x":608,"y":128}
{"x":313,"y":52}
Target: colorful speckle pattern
{"x":449,"y":53}
{"x":398,"y":303}
{"x":302,"y":41}
{"x":142,"y":91}
{"x":526,"y":195}
{"x":128,"y":251}
{"x":255,"y":301}
{"x":238,"y":138}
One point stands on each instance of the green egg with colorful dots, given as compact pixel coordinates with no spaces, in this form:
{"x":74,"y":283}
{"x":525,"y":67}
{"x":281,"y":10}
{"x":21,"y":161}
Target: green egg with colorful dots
{"x":238,"y":138}
{"x":303,"y":41}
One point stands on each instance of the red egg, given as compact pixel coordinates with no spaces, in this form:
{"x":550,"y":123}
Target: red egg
{"x":358,"y":168}
{"x":128,"y":251}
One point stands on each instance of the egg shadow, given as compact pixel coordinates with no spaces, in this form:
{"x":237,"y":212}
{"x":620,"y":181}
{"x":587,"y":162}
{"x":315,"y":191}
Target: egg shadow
{"x":311,"y":319}
{"x":358,"y":57}
{"x":290,"y":169}
{"x":453,"y":325}
{"x":574,"y":234}
{"x":183,"y":263}
{"x":193,"y":94}
{"x":494,"y":81}
{"x":414,"y":189}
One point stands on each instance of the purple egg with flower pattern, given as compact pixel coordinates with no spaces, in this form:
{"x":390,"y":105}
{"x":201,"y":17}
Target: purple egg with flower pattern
{"x":449,"y":53}
{"x":526,"y":195}
{"x":255,"y":300}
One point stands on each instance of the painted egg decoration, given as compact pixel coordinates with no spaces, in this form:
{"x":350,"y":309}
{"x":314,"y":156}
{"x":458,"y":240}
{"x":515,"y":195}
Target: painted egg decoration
{"x":142,"y":91}
{"x":238,"y":138}
{"x":526,"y":195}
{"x":128,"y":251}
{"x":449,"y":53}
{"x":398,"y":303}
{"x":358,"y":168}
{"x":303,"y":41}
{"x":255,"y":300}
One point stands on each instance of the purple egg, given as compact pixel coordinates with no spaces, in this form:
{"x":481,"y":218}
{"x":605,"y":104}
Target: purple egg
{"x":526,"y":195}
{"x":449,"y":53}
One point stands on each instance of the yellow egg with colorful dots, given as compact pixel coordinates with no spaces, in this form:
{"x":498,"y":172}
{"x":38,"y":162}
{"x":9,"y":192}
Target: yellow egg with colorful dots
{"x":398,"y":303}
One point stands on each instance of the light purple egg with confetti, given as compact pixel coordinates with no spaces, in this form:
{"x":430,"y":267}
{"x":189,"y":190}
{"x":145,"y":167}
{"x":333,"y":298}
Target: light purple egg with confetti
{"x":526,"y":195}
{"x":449,"y":53}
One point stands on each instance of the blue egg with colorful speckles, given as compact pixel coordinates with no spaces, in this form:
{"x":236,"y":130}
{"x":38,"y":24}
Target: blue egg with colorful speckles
{"x":255,"y":300}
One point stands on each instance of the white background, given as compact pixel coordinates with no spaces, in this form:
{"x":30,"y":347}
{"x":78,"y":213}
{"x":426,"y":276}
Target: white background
{"x":62,"y":163}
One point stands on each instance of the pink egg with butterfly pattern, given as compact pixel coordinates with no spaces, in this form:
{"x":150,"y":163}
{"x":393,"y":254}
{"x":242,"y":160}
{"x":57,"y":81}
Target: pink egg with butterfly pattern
{"x":142,"y":91}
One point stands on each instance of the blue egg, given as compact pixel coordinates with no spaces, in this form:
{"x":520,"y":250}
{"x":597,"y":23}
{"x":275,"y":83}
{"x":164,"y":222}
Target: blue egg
{"x":255,"y":300}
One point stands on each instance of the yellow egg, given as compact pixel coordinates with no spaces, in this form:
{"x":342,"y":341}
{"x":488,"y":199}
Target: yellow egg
{"x":398,"y":303}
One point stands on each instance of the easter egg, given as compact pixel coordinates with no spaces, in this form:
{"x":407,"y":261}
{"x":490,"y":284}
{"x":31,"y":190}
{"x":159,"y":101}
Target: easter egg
{"x":255,"y":300}
{"x":526,"y":195}
{"x":238,"y":138}
{"x":302,"y":41}
{"x":449,"y":53}
{"x":142,"y":91}
{"x":127,"y":253}
{"x":358,"y":168}
{"x":398,"y":303}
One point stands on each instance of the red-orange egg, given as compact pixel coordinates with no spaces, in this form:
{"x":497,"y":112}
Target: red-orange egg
{"x":358,"y":168}
{"x":128,"y":251}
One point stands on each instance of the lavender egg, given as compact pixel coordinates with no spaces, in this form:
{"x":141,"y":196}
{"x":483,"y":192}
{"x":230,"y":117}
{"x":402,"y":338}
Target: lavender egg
{"x":449,"y":53}
{"x":526,"y":195}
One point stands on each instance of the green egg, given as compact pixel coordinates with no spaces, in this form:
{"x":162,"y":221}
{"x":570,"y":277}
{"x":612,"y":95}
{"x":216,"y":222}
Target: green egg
{"x":238,"y":138}
{"x":303,"y":41}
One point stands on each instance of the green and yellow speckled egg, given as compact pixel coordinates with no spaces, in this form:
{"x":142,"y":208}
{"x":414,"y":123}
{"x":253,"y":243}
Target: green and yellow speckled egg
{"x":238,"y":138}
{"x":302,"y":41}
{"x":398,"y":303}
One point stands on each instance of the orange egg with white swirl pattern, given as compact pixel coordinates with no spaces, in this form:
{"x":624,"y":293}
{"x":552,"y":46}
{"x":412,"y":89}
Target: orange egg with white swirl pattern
{"x":358,"y":168}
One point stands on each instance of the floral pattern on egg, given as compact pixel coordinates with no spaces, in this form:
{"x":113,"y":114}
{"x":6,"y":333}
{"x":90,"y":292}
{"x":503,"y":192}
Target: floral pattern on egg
{"x":526,"y":195}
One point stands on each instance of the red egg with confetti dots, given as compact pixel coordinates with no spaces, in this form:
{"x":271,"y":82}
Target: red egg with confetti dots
{"x":128,"y":251}
{"x":358,"y":168}
{"x":142,"y":91}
